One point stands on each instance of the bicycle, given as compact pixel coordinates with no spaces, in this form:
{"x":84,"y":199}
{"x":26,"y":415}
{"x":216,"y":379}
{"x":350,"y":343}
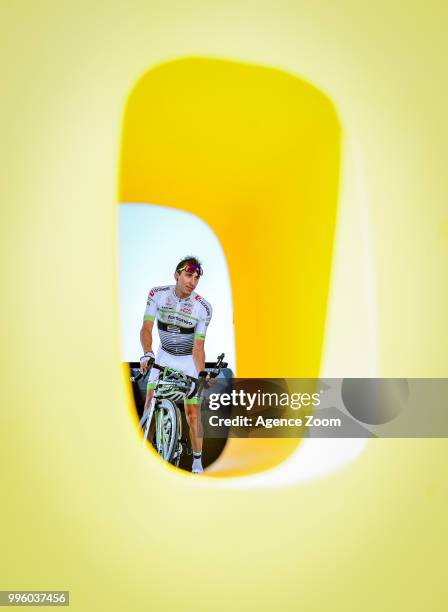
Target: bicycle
{"x":171,"y":387}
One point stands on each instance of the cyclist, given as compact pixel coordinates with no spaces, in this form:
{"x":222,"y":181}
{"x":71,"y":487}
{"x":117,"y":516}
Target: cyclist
{"x":182,"y":320}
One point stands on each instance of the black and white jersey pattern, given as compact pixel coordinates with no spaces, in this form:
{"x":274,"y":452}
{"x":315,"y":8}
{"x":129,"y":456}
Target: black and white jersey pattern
{"x":180,"y":321}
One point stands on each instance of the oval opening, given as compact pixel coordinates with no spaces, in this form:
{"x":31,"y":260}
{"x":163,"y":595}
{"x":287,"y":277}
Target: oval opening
{"x":255,"y":153}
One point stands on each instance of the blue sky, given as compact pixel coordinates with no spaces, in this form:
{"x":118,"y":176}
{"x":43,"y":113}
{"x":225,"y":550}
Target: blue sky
{"x":152,"y":241}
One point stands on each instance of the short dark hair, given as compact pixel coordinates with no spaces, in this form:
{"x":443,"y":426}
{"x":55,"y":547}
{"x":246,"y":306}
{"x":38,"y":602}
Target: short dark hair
{"x":189,"y":259}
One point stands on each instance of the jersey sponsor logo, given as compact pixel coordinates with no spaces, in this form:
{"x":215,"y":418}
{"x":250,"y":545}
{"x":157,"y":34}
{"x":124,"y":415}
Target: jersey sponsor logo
{"x":203,"y":303}
{"x":186,"y":310}
{"x":173,"y":328}
{"x":156,"y":289}
{"x":179,"y":319}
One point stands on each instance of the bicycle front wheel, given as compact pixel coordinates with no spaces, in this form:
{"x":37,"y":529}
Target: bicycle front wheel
{"x":168,"y":429}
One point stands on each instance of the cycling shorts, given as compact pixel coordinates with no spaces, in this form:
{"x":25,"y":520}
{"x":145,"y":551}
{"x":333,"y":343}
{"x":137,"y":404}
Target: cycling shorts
{"x":183,"y":363}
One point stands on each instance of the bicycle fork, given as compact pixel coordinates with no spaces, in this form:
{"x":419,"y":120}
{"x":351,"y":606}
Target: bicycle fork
{"x":148,"y":420}
{"x":160,"y":434}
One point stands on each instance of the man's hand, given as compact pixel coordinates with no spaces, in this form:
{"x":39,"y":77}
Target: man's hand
{"x":209,"y":380}
{"x":144,"y":361}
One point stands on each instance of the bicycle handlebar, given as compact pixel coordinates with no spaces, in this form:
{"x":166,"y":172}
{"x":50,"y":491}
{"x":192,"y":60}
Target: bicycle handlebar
{"x":196,"y":381}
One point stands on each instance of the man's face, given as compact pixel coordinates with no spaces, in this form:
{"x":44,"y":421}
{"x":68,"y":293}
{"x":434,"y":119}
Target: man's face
{"x":186,"y":282}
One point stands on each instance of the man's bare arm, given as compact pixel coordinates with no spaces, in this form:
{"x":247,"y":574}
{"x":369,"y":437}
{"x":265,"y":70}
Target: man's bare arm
{"x":146,"y":341}
{"x":199,"y":355}
{"x":146,"y":336}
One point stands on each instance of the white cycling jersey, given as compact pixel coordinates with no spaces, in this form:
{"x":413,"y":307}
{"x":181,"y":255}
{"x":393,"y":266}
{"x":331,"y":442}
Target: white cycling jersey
{"x":180,"y":321}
